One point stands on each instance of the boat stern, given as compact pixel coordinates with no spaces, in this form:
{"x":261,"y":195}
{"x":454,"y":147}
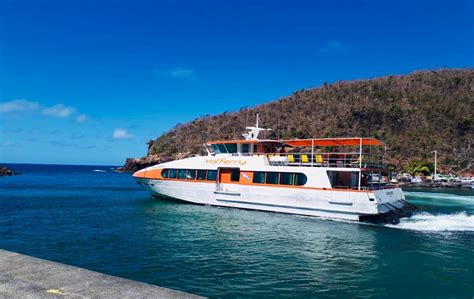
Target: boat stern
{"x":391,"y":206}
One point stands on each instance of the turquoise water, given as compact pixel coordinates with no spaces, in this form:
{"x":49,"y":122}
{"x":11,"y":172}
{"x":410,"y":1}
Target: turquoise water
{"x":105,"y":222}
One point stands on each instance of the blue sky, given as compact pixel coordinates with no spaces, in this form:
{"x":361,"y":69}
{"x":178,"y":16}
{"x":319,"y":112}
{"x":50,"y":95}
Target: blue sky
{"x":89,"y":82}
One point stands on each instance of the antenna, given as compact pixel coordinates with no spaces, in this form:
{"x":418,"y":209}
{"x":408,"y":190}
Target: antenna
{"x":247,"y":118}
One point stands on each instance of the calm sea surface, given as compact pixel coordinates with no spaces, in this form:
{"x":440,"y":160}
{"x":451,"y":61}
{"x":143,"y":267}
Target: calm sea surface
{"x":105,"y":222}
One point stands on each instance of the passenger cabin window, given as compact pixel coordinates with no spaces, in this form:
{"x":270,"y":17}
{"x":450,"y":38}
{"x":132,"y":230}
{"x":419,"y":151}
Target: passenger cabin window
{"x":182,"y":174}
{"x":282,"y":178}
{"x":343,"y":179}
{"x":286,"y":178}
{"x":235,"y":175}
{"x":201,"y":175}
{"x":211,"y":175}
{"x":172,"y":174}
{"x":259,"y":177}
{"x":300,"y":179}
{"x":191,"y":174}
{"x":245,"y":147}
{"x":272,"y":178}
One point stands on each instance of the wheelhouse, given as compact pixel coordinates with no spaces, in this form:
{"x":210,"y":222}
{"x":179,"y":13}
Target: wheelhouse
{"x":244,"y":147}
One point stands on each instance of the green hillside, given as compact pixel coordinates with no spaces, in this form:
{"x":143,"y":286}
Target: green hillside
{"x":414,"y":114}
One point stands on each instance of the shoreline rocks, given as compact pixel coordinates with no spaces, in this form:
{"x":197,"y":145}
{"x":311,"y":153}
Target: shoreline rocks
{"x":135,"y":164}
{"x":434,"y":185}
{"x":4,"y":171}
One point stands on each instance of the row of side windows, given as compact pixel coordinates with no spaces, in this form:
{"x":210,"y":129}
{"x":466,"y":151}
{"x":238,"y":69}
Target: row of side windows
{"x":282,"y":178}
{"x":189,"y":174}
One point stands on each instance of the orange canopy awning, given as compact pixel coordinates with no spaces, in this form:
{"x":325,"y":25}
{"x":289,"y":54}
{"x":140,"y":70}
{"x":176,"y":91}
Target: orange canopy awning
{"x":334,"y":142}
{"x":310,"y":142}
{"x":242,"y":141}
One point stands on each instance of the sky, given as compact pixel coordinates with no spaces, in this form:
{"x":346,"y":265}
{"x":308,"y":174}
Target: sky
{"x":90,"y":82}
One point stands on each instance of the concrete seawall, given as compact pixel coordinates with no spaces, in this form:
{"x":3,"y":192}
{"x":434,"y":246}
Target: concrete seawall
{"x":23,"y":276}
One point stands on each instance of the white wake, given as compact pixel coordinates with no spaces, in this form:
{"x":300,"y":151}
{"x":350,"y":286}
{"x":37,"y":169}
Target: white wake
{"x":441,"y":222}
{"x":441,"y":196}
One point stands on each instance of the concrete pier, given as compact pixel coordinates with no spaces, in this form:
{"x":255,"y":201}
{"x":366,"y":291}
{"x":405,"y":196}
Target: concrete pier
{"x":23,"y":276}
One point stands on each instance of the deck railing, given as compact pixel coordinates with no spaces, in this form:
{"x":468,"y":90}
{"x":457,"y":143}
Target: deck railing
{"x":347,"y":160}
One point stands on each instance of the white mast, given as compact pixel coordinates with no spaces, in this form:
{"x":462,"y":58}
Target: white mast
{"x":253,"y":132}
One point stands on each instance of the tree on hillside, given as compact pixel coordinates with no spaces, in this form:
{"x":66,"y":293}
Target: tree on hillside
{"x":150,"y":144}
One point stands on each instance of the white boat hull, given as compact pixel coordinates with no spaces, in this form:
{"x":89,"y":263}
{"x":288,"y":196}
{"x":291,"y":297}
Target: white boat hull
{"x":340,"y":204}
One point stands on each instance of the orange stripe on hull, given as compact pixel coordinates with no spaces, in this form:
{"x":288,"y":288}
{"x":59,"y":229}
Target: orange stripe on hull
{"x":148,"y":174}
{"x":260,"y":185}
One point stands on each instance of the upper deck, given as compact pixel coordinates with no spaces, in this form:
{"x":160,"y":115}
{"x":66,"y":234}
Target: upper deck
{"x":321,"y":152}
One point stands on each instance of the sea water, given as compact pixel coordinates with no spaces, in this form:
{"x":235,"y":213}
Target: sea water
{"x":92,"y":217}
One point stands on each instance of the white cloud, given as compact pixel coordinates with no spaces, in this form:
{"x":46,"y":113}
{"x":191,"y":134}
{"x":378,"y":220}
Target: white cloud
{"x":81,"y":118}
{"x":59,"y":110}
{"x":121,"y":134}
{"x":20,"y":105}
{"x":178,"y":73}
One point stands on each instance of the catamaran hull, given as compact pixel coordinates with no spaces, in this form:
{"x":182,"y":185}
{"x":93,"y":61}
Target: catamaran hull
{"x":371,"y":206}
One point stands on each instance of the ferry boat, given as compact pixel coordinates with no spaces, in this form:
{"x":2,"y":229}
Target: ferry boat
{"x":323,"y":177}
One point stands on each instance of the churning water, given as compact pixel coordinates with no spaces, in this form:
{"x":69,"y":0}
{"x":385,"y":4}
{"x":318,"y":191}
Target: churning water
{"x":94,"y":218}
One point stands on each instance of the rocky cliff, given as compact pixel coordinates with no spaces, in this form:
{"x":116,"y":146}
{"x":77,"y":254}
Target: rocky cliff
{"x":4,"y":171}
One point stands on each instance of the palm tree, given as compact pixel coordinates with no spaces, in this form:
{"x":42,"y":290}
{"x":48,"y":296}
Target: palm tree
{"x":415,"y":167}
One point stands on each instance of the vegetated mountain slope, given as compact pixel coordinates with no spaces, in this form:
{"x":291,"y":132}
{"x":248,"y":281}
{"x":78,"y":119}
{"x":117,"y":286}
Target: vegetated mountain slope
{"x":414,"y":114}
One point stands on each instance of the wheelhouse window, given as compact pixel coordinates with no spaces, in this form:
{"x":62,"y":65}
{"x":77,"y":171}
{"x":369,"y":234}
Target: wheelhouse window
{"x":272,"y":178}
{"x":211,"y":175}
{"x":231,"y":148}
{"x":164,"y":173}
{"x":245,"y":148}
{"x":216,"y":149}
{"x":222,"y":149}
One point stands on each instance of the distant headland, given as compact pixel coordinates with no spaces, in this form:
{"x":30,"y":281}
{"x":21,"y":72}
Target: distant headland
{"x":4,"y":171}
{"x":414,"y":114}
